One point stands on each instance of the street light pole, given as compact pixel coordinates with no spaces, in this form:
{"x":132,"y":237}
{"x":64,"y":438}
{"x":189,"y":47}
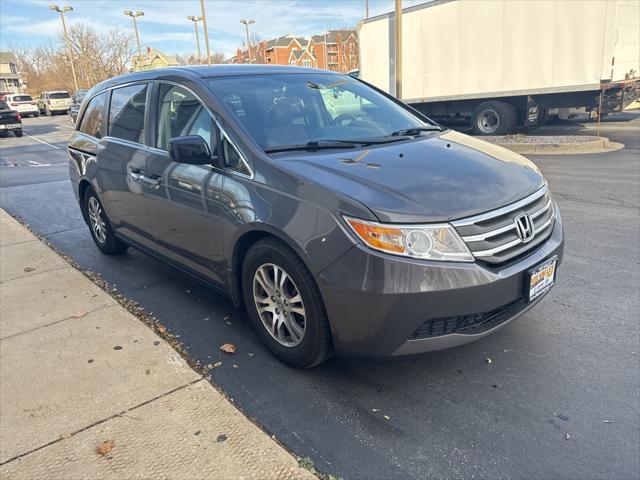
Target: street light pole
{"x":398,"y":32}
{"x":62,"y":11}
{"x":246,"y":26}
{"x":366,"y":8}
{"x":133,"y":16}
{"x":206,"y":32}
{"x":195,"y":21}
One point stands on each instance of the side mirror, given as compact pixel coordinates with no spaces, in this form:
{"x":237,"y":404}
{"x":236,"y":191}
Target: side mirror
{"x":191,"y":149}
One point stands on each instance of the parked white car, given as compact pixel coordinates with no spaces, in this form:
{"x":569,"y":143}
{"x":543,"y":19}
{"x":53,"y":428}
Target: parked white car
{"x":22,"y":103}
{"x":54,"y":101}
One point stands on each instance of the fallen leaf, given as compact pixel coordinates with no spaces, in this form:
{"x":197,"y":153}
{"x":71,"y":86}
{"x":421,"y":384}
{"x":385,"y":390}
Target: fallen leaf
{"x":386,"y":417}
{"x":375,"y":409}
{"x":235,"y":366}
{"x":28,"y":269}
{"x":567,"y":437}
{"x":79,"y":314}
{"x":217,"y":364}
{"x":105,"y":447}
{"x":607,"y":421}
{"x":162,"y":329}
{"x":221,"y":438}
{"x":251,"y":354}
{"x":147,"y":371}
{"x":488,"y":360}
{"x":228,"y":348}
{"x":65,"y":435}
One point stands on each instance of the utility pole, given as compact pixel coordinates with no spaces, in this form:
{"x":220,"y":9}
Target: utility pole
{"x":366,"y":8}
{"x":398,"y":35}
{"x":206,"y":32}
{"x":62,"y":11}
{"x":246,"y":26}
{"x":195,"y":21}
{"x":134,"y":15}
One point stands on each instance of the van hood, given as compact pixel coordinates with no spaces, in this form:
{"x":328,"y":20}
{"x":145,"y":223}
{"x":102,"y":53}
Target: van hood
{"x":432,"y":179}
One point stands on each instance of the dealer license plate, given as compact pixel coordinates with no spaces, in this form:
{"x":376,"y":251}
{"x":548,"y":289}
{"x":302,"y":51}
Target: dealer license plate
{"x":542,"y":278}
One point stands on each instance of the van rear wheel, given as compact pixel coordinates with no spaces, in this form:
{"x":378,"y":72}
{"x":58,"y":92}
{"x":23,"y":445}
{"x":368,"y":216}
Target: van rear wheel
{"x":493,"y":118}
{"x":284,"y":304}
{"x":101,"y":231}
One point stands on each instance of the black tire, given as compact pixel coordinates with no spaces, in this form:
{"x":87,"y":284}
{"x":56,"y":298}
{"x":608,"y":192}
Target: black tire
{"x":543,"y":115}
{"x":37,"y":114}
{"x":315,"y":345}
{"x":111,"y":245}
{"x":18,"y":132}
{"x":502,"y":116}
{"x":47,"y":111}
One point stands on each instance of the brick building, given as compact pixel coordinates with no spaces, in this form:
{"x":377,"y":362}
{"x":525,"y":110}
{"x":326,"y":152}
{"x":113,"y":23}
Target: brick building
{"x":337,"y":50}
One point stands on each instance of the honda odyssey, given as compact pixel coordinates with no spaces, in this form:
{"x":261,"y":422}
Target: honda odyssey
{"x":341,"y":219}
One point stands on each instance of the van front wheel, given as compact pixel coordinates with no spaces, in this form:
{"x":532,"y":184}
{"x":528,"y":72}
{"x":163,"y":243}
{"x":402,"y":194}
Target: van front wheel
{"x":285,"y":305}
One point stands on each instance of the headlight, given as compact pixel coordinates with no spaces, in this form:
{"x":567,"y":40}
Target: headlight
{"x":429,"y":242}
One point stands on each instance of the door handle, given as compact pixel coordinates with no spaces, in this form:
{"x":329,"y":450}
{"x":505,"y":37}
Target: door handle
{"x":136,"y":176}
{"x":151,"y":181}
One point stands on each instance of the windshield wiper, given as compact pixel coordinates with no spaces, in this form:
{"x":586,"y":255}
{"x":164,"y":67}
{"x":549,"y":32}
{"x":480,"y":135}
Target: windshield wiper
{"x":415,"y":131}
{"x":315,"y":145}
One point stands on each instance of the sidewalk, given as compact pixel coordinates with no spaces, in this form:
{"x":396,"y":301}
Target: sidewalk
{"x":77,"y":370}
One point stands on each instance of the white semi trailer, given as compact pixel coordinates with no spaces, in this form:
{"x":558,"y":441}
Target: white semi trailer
{"x":503,"y":64}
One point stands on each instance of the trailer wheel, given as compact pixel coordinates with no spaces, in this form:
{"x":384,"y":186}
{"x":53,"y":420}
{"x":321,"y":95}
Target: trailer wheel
{"x":543,"y":115}
{"x":493,"y":118}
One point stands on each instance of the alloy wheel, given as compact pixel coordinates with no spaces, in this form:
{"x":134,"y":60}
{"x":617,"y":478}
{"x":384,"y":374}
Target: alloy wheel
{"x":98,"y":224}
{"x":279,"y":304}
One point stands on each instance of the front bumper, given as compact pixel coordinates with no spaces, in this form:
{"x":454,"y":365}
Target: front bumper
{"x":378,"y":304}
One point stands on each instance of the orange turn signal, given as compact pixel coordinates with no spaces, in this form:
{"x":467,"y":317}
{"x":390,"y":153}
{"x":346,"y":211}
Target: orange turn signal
{"x":382,"y":238}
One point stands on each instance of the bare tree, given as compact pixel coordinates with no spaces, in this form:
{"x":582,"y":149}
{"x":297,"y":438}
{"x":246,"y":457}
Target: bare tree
{"x":96,"y":58}
{"x":192,"y":58}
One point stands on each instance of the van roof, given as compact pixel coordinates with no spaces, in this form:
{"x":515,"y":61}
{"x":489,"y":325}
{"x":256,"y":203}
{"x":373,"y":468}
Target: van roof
{"x":209,"y":71}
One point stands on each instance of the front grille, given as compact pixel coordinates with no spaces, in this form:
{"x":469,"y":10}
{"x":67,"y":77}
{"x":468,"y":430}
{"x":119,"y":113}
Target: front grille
{"x":493,"y":237}
{"x":468,"y":324}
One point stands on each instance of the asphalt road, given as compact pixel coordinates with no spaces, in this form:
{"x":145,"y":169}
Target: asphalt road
{"x":560,"y":398}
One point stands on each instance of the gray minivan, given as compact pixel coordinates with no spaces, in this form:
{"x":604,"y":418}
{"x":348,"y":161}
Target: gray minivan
{"x":341,"y":219}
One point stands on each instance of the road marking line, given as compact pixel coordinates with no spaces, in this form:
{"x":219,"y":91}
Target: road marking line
{"x":38,"y":164}
{"x":42,"y":141}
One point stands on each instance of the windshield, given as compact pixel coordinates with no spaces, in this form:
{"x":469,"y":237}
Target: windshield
{"x":295,"y":109}
{"x":59,"y":95}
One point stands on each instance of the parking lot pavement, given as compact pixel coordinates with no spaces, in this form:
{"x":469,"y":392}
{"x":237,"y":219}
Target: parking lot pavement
{"x":42,"y":147}
{"x":557,"y":400}
{"x":77,"y":369}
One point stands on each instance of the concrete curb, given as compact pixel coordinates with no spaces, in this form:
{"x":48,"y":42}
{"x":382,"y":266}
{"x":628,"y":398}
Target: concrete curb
{"x":598,"y":145}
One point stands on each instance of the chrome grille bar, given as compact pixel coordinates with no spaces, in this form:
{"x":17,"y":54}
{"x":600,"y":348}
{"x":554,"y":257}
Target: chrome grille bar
{"x":502,"y":211}
{"x":491,"y":252}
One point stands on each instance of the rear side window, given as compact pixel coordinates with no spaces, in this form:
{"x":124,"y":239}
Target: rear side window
{"x":22,"y":98}
{"x":94,"y":116}
{"x":126,"y":113}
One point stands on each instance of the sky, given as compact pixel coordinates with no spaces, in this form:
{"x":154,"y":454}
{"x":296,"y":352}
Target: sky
{"x":164,"y":25}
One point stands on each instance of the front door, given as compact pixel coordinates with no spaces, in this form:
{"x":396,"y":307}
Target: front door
{"x":184,"y":201}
